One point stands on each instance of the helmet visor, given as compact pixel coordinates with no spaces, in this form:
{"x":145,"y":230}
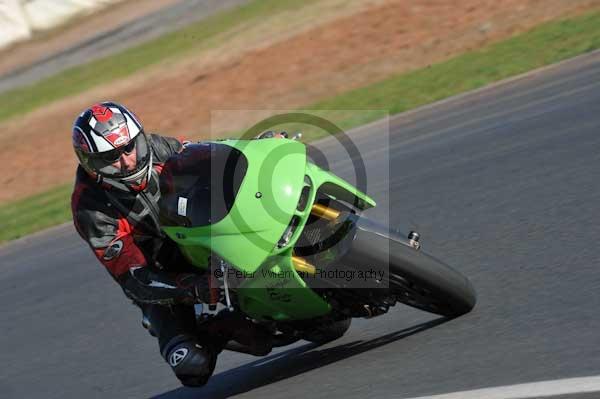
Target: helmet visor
{"x":121,"y":162}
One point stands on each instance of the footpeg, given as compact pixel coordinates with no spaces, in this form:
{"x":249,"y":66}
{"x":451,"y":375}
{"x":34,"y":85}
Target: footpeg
{"x":147,"y":325}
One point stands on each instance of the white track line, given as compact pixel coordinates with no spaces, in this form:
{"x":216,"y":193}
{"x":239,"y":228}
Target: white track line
{"x":539,"y":389}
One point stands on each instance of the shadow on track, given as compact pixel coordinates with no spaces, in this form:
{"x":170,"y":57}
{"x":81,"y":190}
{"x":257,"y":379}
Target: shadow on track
{"x":287,"y":364}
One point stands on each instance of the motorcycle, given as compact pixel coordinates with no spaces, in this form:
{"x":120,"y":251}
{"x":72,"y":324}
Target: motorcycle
{"x":287,"y":252}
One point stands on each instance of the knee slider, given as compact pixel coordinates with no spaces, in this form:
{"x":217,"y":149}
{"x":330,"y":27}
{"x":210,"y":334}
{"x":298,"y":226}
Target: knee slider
{"x":191,"y":362}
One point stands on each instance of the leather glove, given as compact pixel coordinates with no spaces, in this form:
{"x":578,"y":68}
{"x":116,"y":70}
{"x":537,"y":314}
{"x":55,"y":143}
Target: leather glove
{"x":147,"y":285}
{"x":195,"y":285}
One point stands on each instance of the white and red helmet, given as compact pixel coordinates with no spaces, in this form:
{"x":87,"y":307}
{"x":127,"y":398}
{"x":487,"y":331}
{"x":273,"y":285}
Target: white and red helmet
{"x":101,"y":134}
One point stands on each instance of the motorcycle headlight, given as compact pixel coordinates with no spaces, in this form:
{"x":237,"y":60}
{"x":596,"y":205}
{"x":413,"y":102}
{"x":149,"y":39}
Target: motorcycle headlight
{"x":304,"y":195}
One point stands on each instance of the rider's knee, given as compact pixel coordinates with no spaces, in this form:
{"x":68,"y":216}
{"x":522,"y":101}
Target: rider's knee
{"x":192,"y":362}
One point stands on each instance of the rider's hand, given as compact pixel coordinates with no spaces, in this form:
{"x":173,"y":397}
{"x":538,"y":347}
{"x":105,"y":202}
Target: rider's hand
{"x":196,"y":285}
{"x":272,"y":135}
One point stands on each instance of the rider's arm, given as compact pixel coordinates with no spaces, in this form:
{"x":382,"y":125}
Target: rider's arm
{"x":111,"y":240}
{"x":164,"y":147}
{"x":146,"y":285}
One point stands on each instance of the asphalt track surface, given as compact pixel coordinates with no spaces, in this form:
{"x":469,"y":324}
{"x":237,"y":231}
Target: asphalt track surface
{"x":502,"y":184}
{"x":115,"y":40}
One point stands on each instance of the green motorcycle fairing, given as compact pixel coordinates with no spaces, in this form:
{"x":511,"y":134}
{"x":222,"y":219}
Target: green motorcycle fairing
{"x":249,"y":210}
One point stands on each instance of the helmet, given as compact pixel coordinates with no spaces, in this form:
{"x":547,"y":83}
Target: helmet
{"x":102,"y":134}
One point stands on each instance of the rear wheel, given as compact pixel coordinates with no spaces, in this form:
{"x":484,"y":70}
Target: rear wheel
{"x":324,"y":333}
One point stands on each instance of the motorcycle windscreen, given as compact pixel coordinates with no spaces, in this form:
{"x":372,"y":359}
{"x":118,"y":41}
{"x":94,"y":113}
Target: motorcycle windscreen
{"x":199,"y":185}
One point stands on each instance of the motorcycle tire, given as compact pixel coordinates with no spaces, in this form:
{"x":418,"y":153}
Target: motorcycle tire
{"x":413,"y":277}
{"x":328,"y":332}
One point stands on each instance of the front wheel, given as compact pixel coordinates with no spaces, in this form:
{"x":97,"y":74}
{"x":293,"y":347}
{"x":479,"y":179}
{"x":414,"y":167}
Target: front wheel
{"x":414,"y":277}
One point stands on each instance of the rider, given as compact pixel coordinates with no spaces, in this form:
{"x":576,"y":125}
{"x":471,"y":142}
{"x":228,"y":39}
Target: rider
{"x":115,"y":211}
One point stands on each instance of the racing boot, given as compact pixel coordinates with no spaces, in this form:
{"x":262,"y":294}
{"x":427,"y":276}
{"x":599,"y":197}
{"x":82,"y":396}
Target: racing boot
{"x":192,"y":362}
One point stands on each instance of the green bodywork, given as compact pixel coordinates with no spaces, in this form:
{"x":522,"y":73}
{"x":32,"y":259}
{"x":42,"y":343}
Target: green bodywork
{"x":247,"y":238}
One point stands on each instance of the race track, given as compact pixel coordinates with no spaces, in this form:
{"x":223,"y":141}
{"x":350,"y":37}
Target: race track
{"x":502,"y":184}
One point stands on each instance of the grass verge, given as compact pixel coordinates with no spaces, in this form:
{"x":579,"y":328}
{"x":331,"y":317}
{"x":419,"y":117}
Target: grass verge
{"x":81,"y":78}
{"x":32,"y":214}
{"x":546,"y":44}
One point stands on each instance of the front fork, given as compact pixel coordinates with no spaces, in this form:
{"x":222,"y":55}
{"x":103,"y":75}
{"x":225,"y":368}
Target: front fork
{"x":301,"y":265}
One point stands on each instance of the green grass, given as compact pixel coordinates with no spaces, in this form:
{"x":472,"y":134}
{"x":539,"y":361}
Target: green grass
{"x":547,"y":44}
{"x":81,"y":78}
{"x":35,"y":213}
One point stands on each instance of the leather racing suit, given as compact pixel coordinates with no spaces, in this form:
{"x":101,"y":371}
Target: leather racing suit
{"x":122,"y":229}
